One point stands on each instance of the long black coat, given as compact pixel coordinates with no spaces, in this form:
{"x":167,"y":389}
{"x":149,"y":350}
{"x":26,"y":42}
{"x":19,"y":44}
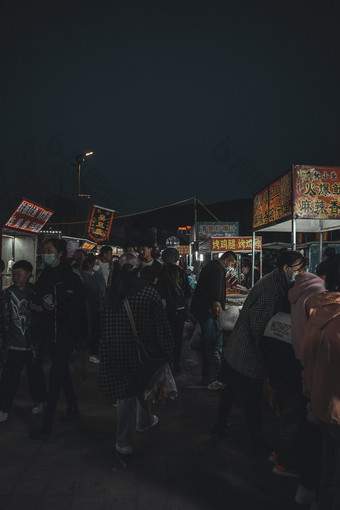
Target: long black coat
{"x":211,"y":286}
{"x":121,"y":374}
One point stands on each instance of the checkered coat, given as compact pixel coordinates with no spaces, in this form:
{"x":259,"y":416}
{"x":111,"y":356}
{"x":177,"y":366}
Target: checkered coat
{"x":121,"y":374}
{"x":267,"y":297}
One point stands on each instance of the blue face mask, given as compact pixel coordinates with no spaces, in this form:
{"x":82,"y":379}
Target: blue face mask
{"x":96,"y":268}
{"x":291,"y":279}
{"x":49,"y":259}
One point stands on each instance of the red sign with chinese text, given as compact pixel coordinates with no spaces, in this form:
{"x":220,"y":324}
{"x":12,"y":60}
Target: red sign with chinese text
{"x":316,"y":192}
{"x":100,"y":224}
{"x":240,"y":244}
{"x":260,"y":215}
{"x":30,"y":217}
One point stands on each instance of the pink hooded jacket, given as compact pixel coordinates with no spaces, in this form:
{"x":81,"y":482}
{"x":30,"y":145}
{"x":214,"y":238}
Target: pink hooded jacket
{"x":306,"y":285}
{"x":321,"y":360}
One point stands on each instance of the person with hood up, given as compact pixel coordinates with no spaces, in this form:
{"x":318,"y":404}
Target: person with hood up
{"x":320,"y":355}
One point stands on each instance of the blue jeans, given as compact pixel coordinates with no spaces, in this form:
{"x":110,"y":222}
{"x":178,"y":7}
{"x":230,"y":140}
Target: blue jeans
{"x":133,"y":412}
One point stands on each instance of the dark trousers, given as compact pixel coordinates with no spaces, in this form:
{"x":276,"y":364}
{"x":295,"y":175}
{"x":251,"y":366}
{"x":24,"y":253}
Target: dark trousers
{"x":10,"y":378}
{"x":329,"y":495}
{"x":308,"y":449}
{"x":237,"y":383}
{"x":289,"y":408}
{"x":59,"y":377}
{"x":177,"y":326}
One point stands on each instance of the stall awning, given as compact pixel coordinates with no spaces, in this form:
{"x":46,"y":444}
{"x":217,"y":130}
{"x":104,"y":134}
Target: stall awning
{"x":303,"y":225}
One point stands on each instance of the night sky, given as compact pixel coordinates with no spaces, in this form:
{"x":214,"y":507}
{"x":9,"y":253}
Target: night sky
{"x":176,"y":98}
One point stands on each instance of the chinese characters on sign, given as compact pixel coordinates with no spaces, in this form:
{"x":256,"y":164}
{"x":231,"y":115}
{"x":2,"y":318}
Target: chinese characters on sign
{"x":183,"y":249}
{"x":100,"y":224}
{"x":317,"y":192}
{"x":208,"y":229}
{"x":274,"y":203}
{"x":235,"y":244}
{"x":30,"y":217}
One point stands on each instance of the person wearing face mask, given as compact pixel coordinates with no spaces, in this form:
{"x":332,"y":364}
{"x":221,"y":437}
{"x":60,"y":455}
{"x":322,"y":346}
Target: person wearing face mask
{"x":246,"y":274}
{"x":59,"y":321}
{"x":244,"y":367}
{"x":95,"y":291}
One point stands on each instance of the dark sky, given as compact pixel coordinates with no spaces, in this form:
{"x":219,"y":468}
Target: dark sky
{"x":176,"y":98}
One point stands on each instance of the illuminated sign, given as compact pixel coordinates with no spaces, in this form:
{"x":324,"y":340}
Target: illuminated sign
{"x":240,"y":244}
{"x":316,"y":192}
{"x":100,"y":224}
{"x":183,"y":249}
{"x":29,"y":216}
{"x":273,"y":203}
{"x":88,"y":246}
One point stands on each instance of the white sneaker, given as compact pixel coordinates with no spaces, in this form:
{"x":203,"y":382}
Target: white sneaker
{"x":153,"y":424}
{"x":38,"y":408}
{"x":3,"y":416}
{"x":124,"y":450}
{"x":304,"y":496}
{"x":215,"y":385}
{"x":94,"y":359}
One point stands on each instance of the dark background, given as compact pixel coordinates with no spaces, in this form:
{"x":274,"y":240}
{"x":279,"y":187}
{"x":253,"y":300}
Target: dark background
{"x":175,"y":98}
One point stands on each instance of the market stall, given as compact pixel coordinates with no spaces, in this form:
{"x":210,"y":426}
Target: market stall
{"x":241,"y":246}
{"x":305,"y":199}
{"x":19,"y":237}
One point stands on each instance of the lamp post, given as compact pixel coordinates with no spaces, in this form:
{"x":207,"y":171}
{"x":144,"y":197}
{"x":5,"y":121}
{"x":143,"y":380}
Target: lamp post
{"x":80,"y":159}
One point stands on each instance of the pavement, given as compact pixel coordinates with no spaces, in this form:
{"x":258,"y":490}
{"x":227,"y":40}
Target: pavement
{"x":177,"y":465}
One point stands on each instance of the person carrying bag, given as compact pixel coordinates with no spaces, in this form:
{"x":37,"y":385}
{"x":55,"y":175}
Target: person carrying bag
{"x":136,"y":341}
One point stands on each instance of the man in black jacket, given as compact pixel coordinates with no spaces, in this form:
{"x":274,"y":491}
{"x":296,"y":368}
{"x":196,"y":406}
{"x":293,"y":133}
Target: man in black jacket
{"x":211,"y":286}
{"x":210,"y":289}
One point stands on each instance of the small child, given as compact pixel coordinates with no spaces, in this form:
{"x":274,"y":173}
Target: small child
{"x":213,"y":339}
{"x":15,"y":341}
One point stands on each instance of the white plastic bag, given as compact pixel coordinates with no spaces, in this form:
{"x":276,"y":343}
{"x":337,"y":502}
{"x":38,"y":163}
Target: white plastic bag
{"x":280,"y":327}
{"x":227,"y":319}
{"x":162,"y":386}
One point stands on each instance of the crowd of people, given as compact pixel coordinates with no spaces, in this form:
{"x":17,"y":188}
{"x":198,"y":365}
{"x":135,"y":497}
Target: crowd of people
{"x":129,"y":314}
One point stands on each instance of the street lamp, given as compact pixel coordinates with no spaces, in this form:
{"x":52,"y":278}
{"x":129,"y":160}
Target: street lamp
{"x":80,"y":159}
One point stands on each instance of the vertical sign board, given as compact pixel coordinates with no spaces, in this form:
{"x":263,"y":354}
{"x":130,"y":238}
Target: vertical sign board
{"x":29,"y":217}
{"x":100,"y":224}
{"x":316,"y":192}
{"x":273,"y":203}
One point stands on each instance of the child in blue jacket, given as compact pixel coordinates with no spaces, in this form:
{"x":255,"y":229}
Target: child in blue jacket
{"x":213,"y":340}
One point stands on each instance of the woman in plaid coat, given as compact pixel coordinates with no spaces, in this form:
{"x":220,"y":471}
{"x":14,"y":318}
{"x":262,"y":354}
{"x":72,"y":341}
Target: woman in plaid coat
{"x":244,"y":364}
{"x":124,"y":370}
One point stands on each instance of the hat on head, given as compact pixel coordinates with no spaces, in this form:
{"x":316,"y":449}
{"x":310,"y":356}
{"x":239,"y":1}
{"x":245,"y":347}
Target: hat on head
{"x":129,"y":261}
{"x":170,"y":255}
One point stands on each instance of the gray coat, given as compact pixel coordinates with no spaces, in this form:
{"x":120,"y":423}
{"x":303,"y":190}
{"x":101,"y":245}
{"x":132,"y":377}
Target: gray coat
{"x":266,"y":298}
{"x":121,"y":374}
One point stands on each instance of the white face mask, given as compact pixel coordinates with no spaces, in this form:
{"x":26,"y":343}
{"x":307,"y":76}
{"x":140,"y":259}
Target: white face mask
{"x":96,"y":268}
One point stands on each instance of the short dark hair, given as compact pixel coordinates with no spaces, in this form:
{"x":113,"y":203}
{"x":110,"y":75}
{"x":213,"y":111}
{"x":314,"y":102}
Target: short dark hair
{"x":80,"y":251}
{"x":289,"y":257}
{"x":23,"y":264}
{"x":146,"y":242}
{"x":105,"y":249}
{"x":89,"y":260}
{"x":59,"y":244}
{"x":229,"y":255}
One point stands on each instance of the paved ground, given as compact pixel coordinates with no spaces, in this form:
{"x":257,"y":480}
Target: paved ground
{"x":177,"y":465}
